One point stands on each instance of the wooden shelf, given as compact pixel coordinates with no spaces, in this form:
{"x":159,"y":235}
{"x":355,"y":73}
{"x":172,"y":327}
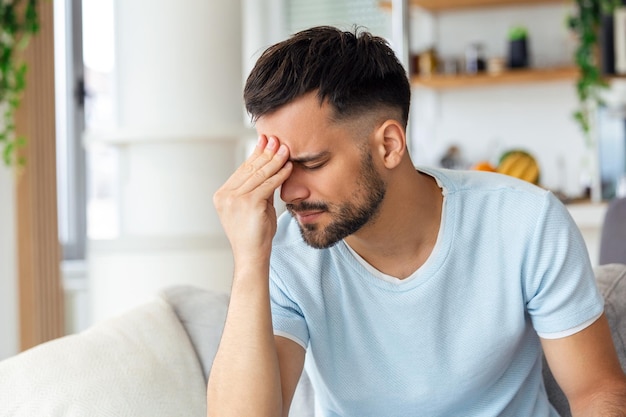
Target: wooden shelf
{"x":437,"y":5}
{"x":520,"y":76}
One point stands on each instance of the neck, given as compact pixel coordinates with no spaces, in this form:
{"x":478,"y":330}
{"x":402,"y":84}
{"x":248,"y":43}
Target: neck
{"x":403,"y":234}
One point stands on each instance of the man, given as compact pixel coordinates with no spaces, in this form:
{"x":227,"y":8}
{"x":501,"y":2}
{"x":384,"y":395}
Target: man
{"x":415,"y":292}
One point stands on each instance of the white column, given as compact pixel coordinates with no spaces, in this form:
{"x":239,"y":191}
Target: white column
{"x":178,"y":64}
{"x":8,"y":266}
{"x":180,"y":135}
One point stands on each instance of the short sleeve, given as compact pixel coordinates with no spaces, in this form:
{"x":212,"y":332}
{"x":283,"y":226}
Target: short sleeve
{"x":287,"y":317}
{"x":559,"y":285}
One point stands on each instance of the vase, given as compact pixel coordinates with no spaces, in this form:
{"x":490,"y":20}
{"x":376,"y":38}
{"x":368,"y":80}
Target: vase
{"x":518,"y":53}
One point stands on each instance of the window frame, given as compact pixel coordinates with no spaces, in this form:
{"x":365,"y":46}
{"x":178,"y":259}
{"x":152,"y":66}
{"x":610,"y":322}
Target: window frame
{"x":71,"y":155}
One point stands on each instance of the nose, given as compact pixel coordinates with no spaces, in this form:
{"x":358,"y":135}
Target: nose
{"x":294,"y":189}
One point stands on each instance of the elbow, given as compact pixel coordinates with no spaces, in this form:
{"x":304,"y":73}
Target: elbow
{"x":607,"y":400}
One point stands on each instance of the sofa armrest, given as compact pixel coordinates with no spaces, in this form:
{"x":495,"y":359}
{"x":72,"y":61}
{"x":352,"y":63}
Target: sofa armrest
{"x":140,"y":363}
{"x":611,"y":280}
{"x":203,"y":314}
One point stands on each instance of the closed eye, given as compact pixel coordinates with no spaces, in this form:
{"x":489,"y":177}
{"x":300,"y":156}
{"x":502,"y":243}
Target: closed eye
{"x":313,"y":167}
{"x":312,"y":162}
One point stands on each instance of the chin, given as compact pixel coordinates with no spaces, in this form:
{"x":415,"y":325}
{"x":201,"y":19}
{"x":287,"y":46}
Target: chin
{"x":311,"y":236}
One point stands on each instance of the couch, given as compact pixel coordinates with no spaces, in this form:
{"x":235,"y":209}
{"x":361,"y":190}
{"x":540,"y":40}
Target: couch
{"x":613,"y":233}
{"x":154,"y":360}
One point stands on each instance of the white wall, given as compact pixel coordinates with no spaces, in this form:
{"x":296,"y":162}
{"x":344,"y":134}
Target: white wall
{"x":485,"y":121}
{"x":8,"y":266}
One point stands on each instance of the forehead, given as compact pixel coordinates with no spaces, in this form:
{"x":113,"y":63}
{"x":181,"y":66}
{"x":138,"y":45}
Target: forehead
{"x":304,"y":125}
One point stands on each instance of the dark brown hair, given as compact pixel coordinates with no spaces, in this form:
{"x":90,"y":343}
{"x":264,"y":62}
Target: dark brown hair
{"x":356,"y":72}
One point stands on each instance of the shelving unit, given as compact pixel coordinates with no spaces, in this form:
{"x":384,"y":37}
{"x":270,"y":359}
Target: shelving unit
{"x":444,"y":118}
{"x":520,"y":76}
{"x":511,"y":77}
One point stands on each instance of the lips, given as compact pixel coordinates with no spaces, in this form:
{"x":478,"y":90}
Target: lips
{"x":305,"y":217}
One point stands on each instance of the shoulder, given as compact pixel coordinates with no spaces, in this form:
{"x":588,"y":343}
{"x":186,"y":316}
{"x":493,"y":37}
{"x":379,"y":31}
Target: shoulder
{"x":491,"y":192}
{"x":459,"y":181}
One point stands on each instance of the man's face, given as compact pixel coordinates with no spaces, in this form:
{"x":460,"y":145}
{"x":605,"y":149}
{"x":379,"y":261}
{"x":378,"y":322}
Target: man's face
{"x":334,"y":188}
{"x":347,"y":217}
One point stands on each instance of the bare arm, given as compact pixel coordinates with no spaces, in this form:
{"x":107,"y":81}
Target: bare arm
{"x":250,"y":364}
{"x":586,"y":368}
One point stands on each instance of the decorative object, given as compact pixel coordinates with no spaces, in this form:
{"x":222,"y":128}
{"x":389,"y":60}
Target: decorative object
{"x":427,"y":62}
{"x":518,"y":47}
{"x":475,"y":58}
{"x":449,"y":65}
{"x":495,"y":65}
{"x":18,"y":21}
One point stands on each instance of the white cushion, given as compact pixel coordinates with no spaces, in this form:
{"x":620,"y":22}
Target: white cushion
{"x":138,"y":364}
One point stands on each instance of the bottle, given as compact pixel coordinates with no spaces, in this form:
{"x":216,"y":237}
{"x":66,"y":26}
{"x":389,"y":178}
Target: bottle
{"x":474,"y":58}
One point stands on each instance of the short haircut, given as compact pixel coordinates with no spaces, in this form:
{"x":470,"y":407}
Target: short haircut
{"x":355,"y":72}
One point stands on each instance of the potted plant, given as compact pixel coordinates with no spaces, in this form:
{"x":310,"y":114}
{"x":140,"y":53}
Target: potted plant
{"x":18,"y":21}
{"x":518,"y":47}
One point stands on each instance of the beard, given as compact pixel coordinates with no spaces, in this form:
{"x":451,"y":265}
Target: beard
{"x":348,"y":217}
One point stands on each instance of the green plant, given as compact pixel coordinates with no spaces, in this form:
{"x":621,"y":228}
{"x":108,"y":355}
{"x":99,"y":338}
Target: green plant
{"x":586,"y":24}
{"x":517,"y":33}
{"x":18,"y":21}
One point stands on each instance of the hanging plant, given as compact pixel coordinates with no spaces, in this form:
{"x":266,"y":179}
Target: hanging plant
{"x":18,"y":22}
{"x":590,"y":84}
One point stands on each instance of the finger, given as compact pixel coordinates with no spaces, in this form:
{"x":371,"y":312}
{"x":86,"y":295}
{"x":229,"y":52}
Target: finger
{"x":267,"y":188}
{"x":240,"y":175}
{"x":263,"y":153}
{"x":261,"y":175}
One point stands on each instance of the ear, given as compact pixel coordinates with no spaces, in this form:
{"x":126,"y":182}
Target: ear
{"x":391,"y":143}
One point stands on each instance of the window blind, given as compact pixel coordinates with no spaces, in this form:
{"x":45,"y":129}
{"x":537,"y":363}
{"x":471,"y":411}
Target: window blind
{"x":345,"y":14}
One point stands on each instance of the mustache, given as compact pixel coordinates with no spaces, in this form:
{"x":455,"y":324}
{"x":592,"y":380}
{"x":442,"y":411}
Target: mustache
{"x":307,"y":206}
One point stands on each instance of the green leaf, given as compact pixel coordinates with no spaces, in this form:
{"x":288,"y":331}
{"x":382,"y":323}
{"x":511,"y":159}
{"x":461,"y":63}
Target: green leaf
{"x":586,"y":25}
{"x":18,"y":22}
{"x":518,"y":33}
{"x":7,"y":153}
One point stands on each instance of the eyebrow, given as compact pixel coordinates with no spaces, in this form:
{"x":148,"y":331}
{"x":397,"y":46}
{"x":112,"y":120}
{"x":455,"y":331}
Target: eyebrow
{"x":310,"y":158}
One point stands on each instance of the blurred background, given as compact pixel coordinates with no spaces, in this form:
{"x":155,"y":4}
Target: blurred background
{"x":149,"y":121}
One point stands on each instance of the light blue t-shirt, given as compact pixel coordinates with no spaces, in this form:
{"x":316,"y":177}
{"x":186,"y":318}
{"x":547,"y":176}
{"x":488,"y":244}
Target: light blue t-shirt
{"x":459,"y":336}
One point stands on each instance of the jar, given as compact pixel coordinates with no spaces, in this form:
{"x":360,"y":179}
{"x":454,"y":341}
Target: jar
{"x":474,"y":58}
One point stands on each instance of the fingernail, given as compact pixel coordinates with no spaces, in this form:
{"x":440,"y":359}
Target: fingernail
{"x":282,"y":150}
{"x":259,"y":141}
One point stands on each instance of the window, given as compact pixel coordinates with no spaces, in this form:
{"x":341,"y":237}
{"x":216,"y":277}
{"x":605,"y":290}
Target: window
{"x":70,"y":125}
{"x":102,"y":164}
{"x":344,"y":14}
{"x":84,"y":62}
